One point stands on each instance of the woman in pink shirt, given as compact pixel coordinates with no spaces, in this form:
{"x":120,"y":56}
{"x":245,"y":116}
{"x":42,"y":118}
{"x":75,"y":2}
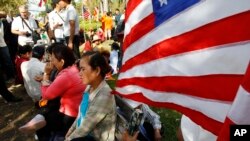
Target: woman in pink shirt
{"x":66,"y":85}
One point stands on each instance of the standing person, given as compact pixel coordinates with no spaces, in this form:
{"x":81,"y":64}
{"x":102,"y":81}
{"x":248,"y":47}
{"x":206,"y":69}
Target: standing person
{"x":5,"y":59}
{"x":104,"y":15}
{"x":67,"y":85}
{"x":117,"y":16}
{"x":97,"y":111}
{"x":108,"y":25}
{"x":22,"y":26}
{"x":56,"y":22}
{"x":30,"y":69}
{"x":71,"y":26}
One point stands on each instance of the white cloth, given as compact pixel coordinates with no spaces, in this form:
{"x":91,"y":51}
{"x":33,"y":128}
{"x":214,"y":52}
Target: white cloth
{"x":113,"y":60}
{"x":193,"y":132}
{"x":29,"y":70}
{"x":19,"y":25}
{"x":2,"y":42}
{"x":54,"y":19}
{"x":70,"y":14}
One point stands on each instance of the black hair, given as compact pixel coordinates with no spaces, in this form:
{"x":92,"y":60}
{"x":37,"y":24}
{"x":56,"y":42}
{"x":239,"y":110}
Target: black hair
{"x":115,"y":46}
{"x":97,"y":60}
{"x":61,"y":51}
{"x":24,"y":49}
{"x":38,"y":52}
{"x":50,"y":47}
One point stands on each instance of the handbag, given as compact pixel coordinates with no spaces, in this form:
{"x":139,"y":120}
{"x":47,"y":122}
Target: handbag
{"x":35,"y":36}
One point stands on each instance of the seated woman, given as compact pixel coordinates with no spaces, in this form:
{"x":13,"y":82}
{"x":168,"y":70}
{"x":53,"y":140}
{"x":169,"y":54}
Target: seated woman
{"x":67,"y":85}
{"x":97,"y":111}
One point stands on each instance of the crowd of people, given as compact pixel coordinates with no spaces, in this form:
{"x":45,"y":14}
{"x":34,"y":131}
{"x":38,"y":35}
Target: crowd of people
{"x":66,"y":79}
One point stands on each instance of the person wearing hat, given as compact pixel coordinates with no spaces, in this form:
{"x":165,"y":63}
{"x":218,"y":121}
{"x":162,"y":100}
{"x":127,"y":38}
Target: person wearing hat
{"x":30,"y":69}
{"x":70,"y":26}
{"x":96,"y":43}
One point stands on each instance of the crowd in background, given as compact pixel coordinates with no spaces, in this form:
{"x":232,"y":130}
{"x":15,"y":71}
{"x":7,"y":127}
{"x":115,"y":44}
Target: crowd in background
{"x":64,"y":71}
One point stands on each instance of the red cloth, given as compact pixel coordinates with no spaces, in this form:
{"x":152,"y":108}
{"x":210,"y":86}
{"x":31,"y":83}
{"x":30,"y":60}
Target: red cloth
{"x":69,"y":87}
{"x":18,"y":61}
{"x":87,"y":46}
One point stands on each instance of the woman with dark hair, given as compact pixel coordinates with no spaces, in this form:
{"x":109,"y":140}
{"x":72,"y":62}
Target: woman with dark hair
{"x":67,"y":85}
{"x":97,"y":111}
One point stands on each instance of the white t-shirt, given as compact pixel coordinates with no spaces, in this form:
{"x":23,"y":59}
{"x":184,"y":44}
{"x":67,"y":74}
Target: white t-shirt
{"x":19,"y":25}
{"x":29,"y":70}
{"x":193,"y":132}
{"x":54,"y":18}
{"x":113,"y":60}
{"x":70,"y":14}
{"x":2,"y":42}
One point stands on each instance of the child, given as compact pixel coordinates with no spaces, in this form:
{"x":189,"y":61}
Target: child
{"x":24,"y":54}
{"x":114,"y":55}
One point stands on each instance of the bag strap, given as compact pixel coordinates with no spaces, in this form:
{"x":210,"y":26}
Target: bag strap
{"x":27,"y":24}
{"x":60,"y":16}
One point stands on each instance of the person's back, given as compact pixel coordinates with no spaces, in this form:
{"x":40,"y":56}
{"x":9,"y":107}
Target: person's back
{"x":30,"y":69}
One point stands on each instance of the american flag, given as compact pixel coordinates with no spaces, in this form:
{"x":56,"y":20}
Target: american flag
{"x":238,"y":114}
{"x":85,"y":13}
{"x":188,"y":55}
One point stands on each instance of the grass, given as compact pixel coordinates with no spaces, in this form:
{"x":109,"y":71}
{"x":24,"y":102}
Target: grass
{"x":169,"y":118}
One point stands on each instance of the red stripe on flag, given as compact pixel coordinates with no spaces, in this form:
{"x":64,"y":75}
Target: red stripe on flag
{"x":131,"y":5}
{"x":206,"y":122}
{"x":225,"y":131}
{"x":225,"y":31}
{"x":140,"y":29}
{"x":200,"y":86}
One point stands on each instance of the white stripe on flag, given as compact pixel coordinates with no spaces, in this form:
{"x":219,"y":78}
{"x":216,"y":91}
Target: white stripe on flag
{"x":240,"y":110}
{"x":186,"y":21}
{"x":214,"y":61}
{"x":214,"y":109}
{"x":139,"y":13}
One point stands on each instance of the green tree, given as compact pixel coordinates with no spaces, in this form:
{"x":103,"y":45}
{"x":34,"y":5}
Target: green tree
{"x":11,"y":6}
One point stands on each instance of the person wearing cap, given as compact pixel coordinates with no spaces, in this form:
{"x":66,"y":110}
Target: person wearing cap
{"x":22,"y":26}
{"x":70,"y":26}
{"x":56,"y":21}
{"x":30,"y":69}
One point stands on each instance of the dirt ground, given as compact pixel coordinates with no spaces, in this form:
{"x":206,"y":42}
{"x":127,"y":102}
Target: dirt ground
{"x":14,"y":115}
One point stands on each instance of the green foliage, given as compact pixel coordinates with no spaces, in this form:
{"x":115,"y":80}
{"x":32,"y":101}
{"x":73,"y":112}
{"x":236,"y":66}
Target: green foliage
{"x":89,"y":24}
{"x":171,"y":121}
{"x":11,"y":6}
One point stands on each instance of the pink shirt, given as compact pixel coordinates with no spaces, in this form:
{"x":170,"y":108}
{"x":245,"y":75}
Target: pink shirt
{"x":69,"y":87}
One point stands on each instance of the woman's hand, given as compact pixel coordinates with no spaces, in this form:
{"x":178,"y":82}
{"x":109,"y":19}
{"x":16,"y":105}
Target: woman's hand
{"x":38,"y":78}
{"x":127,"y":137}
{"x":48,"y":68}
{"x":157,"y":135}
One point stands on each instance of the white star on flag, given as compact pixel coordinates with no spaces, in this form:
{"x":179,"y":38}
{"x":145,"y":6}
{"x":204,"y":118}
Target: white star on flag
{"x":162,"y":2}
